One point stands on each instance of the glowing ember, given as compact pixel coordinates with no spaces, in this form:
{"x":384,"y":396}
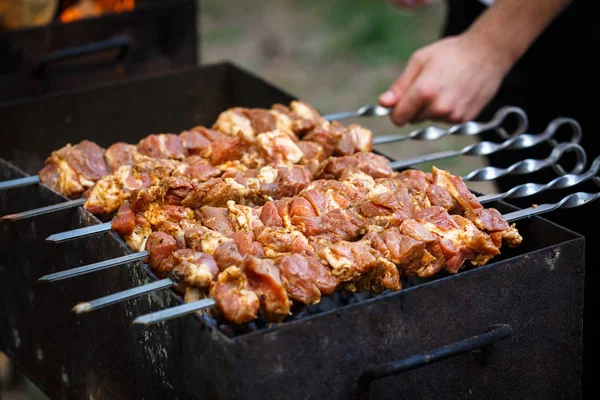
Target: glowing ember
{"x":94,"y":8}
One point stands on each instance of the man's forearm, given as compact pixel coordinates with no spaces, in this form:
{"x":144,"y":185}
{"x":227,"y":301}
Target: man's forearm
{"x":511,"y":26}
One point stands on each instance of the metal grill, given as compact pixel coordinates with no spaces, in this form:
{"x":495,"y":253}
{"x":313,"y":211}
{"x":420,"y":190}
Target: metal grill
{"x":524,"y":309}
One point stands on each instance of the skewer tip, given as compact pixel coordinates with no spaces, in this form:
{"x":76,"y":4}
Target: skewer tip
{"x":51,"y":238}
{"x":141,"y":320}
{"x":82,"y":308}
{"x":7,"y":217}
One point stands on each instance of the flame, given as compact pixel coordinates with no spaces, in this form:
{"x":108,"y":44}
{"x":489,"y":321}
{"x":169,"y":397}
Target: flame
{"x":94,"y":8}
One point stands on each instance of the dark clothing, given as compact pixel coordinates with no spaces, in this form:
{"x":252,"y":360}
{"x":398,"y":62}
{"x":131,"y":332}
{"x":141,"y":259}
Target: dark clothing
{"x":557,"y":77}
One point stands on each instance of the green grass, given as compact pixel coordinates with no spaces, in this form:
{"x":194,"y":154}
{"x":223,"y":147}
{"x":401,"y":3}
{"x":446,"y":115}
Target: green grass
{"x":374,"y":31}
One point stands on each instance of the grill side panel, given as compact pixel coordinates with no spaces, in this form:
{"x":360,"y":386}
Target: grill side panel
{"x":540,"y":295}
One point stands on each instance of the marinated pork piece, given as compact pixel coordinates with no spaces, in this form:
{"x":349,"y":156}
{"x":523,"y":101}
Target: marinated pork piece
{"x":491,"y":221}
{"x":234,"y":297}
{"x":264,"y":280}
{"x":276,"y":148}
{"x":300,"y":278}
{"x":233,"y":121}
{"x":191,"y":268}
{"x":457,"y":188}
{"x":197,"y":169}
{"x":203,"y":239}
{"x":120,"y":154}
{"x":113,"y":189}
{"x":162,"y":146}
{"x":197,"y":140}
{"x":249,"y":187}
{"x":297,"y":119}
{"x":254,"y":121}
{"x":124,"y":222}
{"x":73,"y":169}
{"x":371,"y":164}
{"x":176,"y":231}
{"x":159,"y":246}
{"x":350,"y":260}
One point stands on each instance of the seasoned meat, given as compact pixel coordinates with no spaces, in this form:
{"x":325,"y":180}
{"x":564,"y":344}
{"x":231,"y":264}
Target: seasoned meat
{"x":73,"y":169}
{"x":264,"y":279}
{"x":124,"y":222}
{"x":235,"y":300}
{"x":190,"y":267}
{"x":196,"y":169}
{"x":456,"y":188}
{"x":159,"y":246}
{"x":164,"y":145}
{"x":120,"y":154}
{"x":300,"y":278}
{"x":195,"y":142}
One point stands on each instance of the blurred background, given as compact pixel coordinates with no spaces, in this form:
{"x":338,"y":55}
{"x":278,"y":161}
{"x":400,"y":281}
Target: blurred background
{"x":336,"y":54}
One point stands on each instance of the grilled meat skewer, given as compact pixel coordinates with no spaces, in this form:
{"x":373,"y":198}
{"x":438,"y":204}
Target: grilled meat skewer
{"x":419,"y":245}
{"x":73,"y":169}
{"x":234,"y":153}
{"x":442,"y":238}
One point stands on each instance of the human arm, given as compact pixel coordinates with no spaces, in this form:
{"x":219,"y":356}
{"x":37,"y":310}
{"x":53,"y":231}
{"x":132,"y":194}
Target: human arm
{"x":454,"y":78}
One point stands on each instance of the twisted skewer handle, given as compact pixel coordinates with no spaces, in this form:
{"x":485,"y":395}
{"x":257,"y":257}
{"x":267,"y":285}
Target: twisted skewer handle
{"x":562,"y":182}
{"x":571,"y":201}
{"x":470,"y":128}
{"x":486,"y":148}
{"x":529,"y":165}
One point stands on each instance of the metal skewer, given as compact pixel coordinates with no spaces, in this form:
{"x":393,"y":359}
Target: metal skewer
{"x":530,"y":189}
{"x":20,"y":182}
{"x":529,"y":165}
{"x":487,"y":148}
{"x":482,"y":174}
{"x":570,"y":201}
{"x":364,"y":111}
{"x":85,"y":269}
{"x":174,"y":312}
{"x":43,"y":210}
{"x":467,"y":129}
{"x":121,"y":296}
{"x":79,"y":233}
{"x":428,"y":133}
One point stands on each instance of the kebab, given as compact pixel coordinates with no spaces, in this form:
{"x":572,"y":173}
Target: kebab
{"x":357,"y":133}
{"x":246,"y":148}
{"x":569,"y":201}
{"x":424,"y":195}
{"x":299,"y":116}
{"x":73,"y":169}
{"x":486,"y":173}
{"x":481,"y":218}
{"x":520,"y":191}
{"x":232,"y":155}
{"x":365,"y":264}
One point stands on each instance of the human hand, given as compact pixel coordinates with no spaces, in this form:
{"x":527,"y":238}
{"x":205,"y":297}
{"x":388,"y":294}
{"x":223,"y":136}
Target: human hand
{"x":450,"y":80}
